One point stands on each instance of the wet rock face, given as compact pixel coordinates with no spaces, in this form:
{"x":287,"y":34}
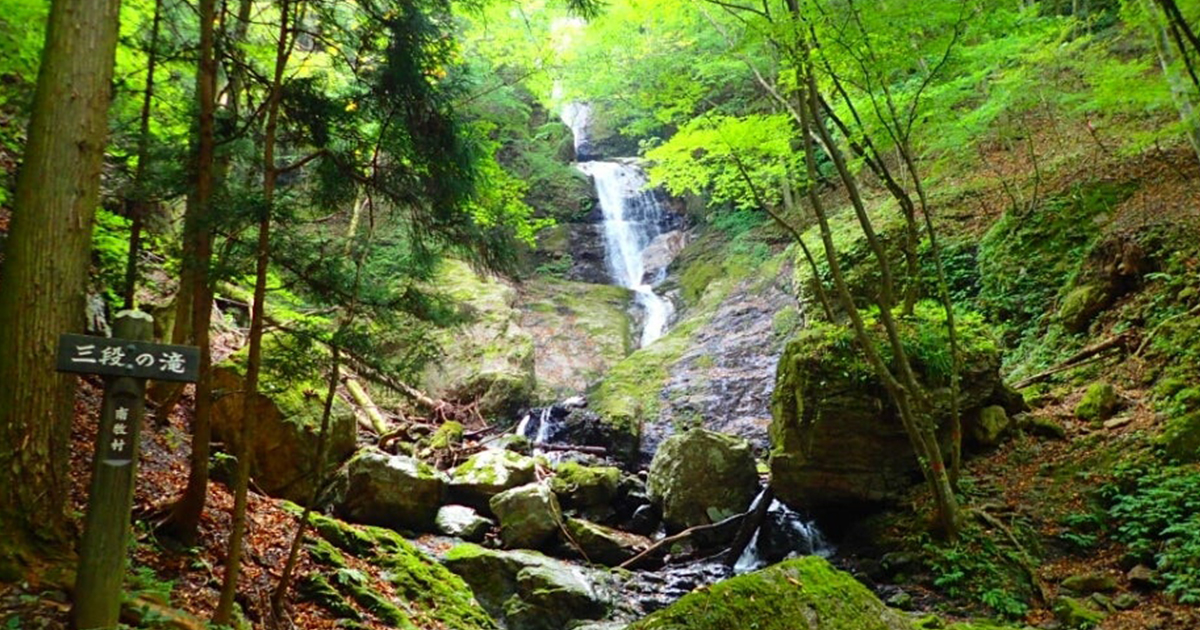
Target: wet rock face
{"x":722,"y":379}
{"x":701,"y":477}
{"x":392,"y":490}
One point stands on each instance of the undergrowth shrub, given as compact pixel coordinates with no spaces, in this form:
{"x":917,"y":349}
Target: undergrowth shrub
{"x":982,"y":568}
{"x":1156,"y":512}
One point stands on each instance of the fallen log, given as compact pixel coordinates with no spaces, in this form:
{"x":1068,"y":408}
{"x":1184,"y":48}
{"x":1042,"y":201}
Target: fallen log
{"x":363,"y":400}
{"x":1083,"y":357}
{"x":691,"y":532}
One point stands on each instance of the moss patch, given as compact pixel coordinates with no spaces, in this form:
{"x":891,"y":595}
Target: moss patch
{"x":801,"y":594}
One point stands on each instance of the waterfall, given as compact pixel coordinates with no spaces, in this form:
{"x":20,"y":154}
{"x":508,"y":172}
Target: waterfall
{"x":633,"y":217}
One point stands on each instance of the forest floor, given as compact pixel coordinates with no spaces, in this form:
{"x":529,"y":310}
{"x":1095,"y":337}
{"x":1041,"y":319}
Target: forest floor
{"x":163,"y":578}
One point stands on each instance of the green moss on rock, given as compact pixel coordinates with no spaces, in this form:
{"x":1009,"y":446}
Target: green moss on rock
{"x":801,"y":594}
{"x":579,"y":486}
{"x":1099,"y":402}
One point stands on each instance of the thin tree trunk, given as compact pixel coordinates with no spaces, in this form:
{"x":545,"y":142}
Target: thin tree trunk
{"x":45,"y":270}
{"x":289,"y":567}
{"x":1159,"y":32}
{"x":141,"y":205}
{"x":224,"y":610}
{"x":184,"y":520}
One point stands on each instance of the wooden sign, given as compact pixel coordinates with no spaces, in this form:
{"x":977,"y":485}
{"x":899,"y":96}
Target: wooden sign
{"x":126,"y":360}
{"x":85,"y":354}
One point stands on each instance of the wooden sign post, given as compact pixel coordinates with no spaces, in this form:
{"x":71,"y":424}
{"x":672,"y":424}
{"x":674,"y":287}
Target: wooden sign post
{"x":126,"y":360}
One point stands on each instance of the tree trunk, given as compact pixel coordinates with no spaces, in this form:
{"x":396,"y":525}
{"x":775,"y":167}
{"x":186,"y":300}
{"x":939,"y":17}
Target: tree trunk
{"x":140,"y":205}
{"x":1183,"y":95}
{"x":224,"y":610}
{"x":45,"y":269}
{"x":184,"y":520}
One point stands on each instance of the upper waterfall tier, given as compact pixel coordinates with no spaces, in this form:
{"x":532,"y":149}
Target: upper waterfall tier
{"x":633,"y":216}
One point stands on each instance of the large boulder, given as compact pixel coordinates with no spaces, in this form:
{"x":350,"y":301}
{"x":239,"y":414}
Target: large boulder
{"x":528,"y":590}
{"x":286,"y":415}
{"x":702,"y":476}
{"x":392,"y":491}
{"x":838,"y":445}
{"x":486,"y":474}
{"x":585,"y":488}
{"x":801,"y":594}
{"x":605,"y":545}
{"x":529,"y":515}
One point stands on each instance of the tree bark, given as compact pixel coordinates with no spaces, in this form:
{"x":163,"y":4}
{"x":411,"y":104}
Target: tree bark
{"x":224,"y":611}
{"x":45,"y":270}
{"x":184,"y":521}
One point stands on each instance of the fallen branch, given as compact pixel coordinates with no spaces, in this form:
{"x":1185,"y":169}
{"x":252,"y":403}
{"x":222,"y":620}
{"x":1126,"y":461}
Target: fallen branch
{"x":1042,"y":590}
{"x":1154,"y":331}
{"x":591,"y":450}
{"x":758,"y":512}
{"x":1083,"y":357}
{"x":683,"y":535}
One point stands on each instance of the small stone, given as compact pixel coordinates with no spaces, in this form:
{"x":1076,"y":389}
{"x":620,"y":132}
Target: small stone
{"x":1045,"y":427}
{"x":1125,"y":601}
{"x":1117,"y":422}
{"x":462,"y":522}
{"x":1102,"y":601}
{"x":901,"y":600}
{"x":1073,"y":613}
{"x":1085,"y":583}
{"x":898,"y":562}
{"x":1143,"y":577}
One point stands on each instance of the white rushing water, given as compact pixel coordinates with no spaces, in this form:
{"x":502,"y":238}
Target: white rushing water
{"x":633,"y":216}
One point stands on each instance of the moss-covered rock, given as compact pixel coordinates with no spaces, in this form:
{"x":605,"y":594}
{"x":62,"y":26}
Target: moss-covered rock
{"x":1076,"y":615}
{"x":529,"y":515}
{"x":551,"y":596}
{"x":315,"y":588}
{"x":837,"y":440}
{"x":392,"y":490}
{"x":527,"y":589}
{"x":699,"y":474}
{"x":989,"y":425}
{"x":801,"y":594}
{"x":428,"y":595}
{"x":490,"y":358}
{"x":1099,"y":402}
{"x":1081,"y":306}
{"x":585,"y":487}
{"x":605,"y":545}
{"x":488,"y":473}
{"x":286,"y":416}
{"x":356,"y":585}
{"x":1180,"y":437}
